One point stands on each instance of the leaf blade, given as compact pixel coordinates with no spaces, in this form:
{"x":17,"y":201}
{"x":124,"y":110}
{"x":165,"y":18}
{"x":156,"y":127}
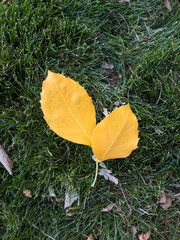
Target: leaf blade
{"x":5,"y":160}
{"x":117,"y":135}
{"x":68,"y":109}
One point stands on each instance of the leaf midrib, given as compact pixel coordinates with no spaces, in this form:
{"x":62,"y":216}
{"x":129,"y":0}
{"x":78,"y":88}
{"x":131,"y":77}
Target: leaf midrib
{"x":73,"y":114}
{"x":114,"y":139}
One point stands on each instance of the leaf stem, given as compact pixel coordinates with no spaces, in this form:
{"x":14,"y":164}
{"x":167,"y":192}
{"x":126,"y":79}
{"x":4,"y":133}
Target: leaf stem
{"x":95,"y":178}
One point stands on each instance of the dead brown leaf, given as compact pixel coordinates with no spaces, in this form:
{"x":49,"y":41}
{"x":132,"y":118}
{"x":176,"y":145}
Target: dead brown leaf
{"x":108,"y":208}
{"x":90,"y":237}
{"x":107,"y":66}
{"x":144,"y":236}
{"x":27,"y":193}
{"x":70,"y":196}
{"x":5,"y":160}
{"x":134,"y":231}
{"x":107,"y":175}
{"x":168,"y":5}
{"x":165,"y":200}
{"x":51,"y":192}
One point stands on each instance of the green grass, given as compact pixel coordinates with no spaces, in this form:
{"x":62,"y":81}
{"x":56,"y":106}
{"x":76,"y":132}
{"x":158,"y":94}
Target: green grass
{"x":142,"y":41}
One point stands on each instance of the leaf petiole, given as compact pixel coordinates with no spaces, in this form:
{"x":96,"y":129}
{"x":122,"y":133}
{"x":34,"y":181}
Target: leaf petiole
{"x":95,"y":178}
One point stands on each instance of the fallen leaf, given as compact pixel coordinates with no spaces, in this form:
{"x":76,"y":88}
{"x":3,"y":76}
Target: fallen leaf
{"x":116,"y":136}
{"x":51,"y":192}
{"x":107,"y":66}
{"x":27,"y":193}
{"x":165,"y":200}
{"x":177,"y":195}
{"x":167,"y":204}
{"x":105,"y":112}
{"x":70,"y":196}
{"x":107,"y":175}
{"x":5,"y":160}
{"x":144,"y":236}
{"x":68,"y":109}
{"x":162,"y":197}
{"x":134,"y":231}
{"x":168,"y":5}
{"x":90,"y":237}
{"x":108,"y":208}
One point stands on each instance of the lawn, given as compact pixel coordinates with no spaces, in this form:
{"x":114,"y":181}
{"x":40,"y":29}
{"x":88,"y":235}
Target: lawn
{"x":140,"y":42}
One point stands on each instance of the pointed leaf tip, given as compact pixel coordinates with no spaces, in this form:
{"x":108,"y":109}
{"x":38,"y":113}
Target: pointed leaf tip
{"x":5,"y":160}
{"x":117,"y":135}
{"x":67,"y":108}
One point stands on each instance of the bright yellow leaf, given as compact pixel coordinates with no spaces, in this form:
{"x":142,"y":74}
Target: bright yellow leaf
{"x":117,"y":135}
{"x":68,"y":109}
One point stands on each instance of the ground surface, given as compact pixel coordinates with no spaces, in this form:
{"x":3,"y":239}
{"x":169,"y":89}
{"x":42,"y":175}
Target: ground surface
{"x":141,"y":40}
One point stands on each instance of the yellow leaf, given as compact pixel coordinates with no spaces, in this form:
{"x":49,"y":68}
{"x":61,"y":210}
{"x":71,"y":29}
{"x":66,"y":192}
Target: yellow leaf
{"x":117,"y":135}
{"x":68,"y":109}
